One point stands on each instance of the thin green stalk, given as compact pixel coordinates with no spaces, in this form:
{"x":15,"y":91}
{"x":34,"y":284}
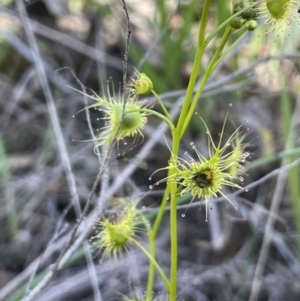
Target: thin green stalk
{"x":173,"y":222}
{"x":153,"y":261}
{"x":181,"y":126}
{"x":162,"y":105}
{"x":152,"y":238}
{"x":168,"y":121}
{"x":212,"y":65}
{"x":174,"y":240}
{"x":232,"y":45}
{"x":173,"y":186}
{"x":196,"y":66}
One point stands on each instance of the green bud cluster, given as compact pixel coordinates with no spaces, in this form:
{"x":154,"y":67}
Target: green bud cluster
{"x":247,"y":19}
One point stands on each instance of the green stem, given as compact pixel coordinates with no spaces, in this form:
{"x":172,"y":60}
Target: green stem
{"x":174,"y":238}
{"x":152,"y":237}
{"x":232,"y":45}
{"x":173,"y":186}
{"x":173,"y":219}
{"x":153,"y":261}
{"x":196,"y":66}
{"x":211,"y":66}
{"x":168,"y":121}
{"x":162,"y":105}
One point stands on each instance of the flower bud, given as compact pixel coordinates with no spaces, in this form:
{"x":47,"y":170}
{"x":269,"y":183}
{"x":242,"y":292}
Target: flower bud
{"x":143,"y":84}
{"x":236,"y":23}
{"x":251,"y":25}
{"x":249,"y":14}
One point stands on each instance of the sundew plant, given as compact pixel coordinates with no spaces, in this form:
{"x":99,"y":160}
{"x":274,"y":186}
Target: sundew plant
{"x":193,"y":155}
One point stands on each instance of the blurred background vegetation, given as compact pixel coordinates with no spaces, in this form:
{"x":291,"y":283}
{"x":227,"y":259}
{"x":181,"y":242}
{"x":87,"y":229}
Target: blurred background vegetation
{"x":260,"y":77}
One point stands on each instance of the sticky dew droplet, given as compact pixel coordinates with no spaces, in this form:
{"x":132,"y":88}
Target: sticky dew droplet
{"x":230,"y":104}
{"x":151,"y":186}
{"x":236,"y":208}
{"x":183,"y":214}
{"x":149,"y":178}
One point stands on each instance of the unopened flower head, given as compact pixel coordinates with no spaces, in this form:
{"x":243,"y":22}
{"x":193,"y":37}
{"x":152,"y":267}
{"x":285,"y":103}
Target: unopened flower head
{"x":141,"y":84}
{"x":118,"y":125}
{"x":205,"y":177}
{"x":279,"y":14}
{"x":115,"y":235}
